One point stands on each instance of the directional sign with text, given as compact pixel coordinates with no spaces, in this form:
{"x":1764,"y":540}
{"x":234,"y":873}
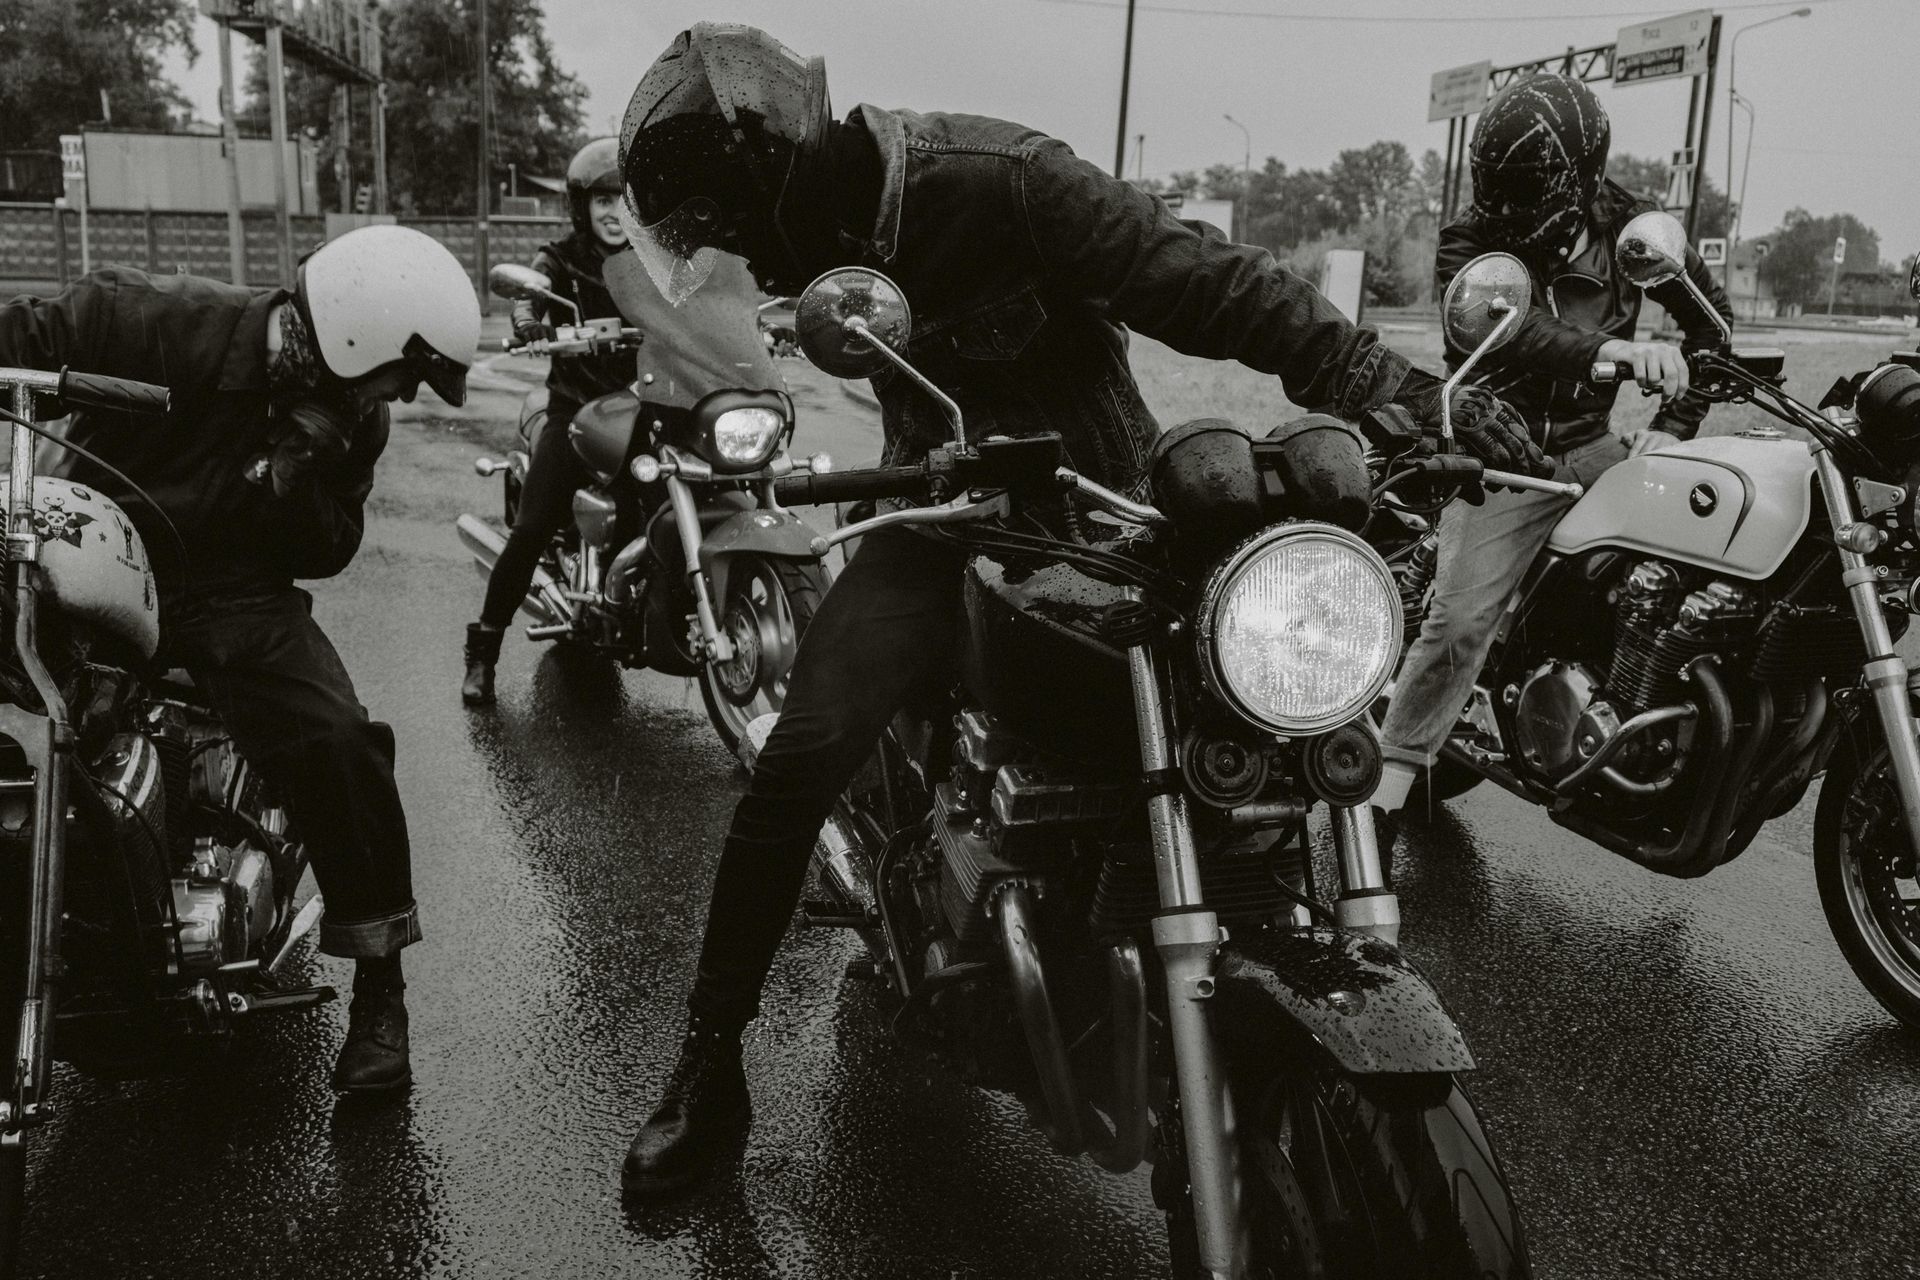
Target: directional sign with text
{"x":1662,"y":50}
{"x":1460,"y":91}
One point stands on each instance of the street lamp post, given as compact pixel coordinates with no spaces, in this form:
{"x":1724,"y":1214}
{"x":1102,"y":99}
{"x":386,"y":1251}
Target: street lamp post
{"x":1734,"y":96}
{"x":1246,"y":181}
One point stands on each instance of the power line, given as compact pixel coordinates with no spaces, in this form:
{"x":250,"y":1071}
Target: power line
{"x":1412,"y":18}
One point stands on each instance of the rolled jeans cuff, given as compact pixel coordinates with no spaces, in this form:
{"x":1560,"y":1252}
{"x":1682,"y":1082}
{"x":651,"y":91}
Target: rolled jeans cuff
{"x":373,"y":938}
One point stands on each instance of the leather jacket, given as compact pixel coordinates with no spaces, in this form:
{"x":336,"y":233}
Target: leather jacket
{"x":1022,"y":262}
{"x":574,"y":265}
{"x":1577,"y":306}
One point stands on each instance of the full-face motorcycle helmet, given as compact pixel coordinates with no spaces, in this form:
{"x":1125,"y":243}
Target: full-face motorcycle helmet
{"x":1539,"y":155}
{"x":593,"y":171}
{"x":709,"y":144}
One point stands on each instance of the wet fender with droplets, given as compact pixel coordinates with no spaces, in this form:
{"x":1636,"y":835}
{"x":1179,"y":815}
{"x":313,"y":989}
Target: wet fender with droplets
{"x":1350,"y":994}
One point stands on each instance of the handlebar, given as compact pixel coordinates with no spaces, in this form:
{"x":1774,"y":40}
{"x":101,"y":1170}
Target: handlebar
{"x":850,"y":486}
{"x":1610,"y":371}
{"x":98,"y":391}
{"x":1513,"y":480}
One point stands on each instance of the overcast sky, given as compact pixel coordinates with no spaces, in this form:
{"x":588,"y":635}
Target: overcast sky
{"x":1836,"y":93}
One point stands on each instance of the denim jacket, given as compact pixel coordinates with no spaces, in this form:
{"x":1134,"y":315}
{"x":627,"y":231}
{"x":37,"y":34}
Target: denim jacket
{"x":1022,"y":261}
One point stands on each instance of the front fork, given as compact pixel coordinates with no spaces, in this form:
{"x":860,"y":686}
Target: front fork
{"x":1886,"y":671}
{"x":686,"y":517}
{"x":1187,"y":935}
{"x":47,"y":742}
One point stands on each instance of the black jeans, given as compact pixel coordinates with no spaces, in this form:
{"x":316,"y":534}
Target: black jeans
{"x":545,"y":503}
{"x":274,"y":679}
{"x":891,"y":625}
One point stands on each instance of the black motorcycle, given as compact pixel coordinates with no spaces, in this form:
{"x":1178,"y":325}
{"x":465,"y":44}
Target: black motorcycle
{"x":1086,"y":876}
{"x":676,"y":560}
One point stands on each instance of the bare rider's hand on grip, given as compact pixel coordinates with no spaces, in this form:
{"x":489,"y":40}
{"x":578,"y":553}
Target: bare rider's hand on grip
{"x":1656,"y":365}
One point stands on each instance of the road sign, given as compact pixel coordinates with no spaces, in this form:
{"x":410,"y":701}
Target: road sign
{"x":1713,"y":251}
{"x":73,"y":157}
{"x":1676,"y":46}
{"x":1839,"y":250}
{"x":1460,"y":91}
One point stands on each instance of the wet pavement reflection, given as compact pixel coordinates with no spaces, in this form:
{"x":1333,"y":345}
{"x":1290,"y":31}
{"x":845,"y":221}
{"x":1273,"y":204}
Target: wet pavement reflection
{"x":1684,"y":1078}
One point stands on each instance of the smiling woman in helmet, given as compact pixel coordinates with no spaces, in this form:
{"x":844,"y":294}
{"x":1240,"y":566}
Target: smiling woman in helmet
{"x":575,"y":265}
{"x":263,"y":464}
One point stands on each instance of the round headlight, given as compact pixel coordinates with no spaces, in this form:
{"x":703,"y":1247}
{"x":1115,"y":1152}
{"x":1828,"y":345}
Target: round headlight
{"x":745,"y":438}
{"x":1299,"y":628}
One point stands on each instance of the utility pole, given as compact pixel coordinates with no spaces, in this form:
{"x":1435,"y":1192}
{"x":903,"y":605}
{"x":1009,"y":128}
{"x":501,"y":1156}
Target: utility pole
{"x":1126,"y":78}
{"x":230,"y":143}
{"x":1243,"y":208}
{"x":1706,"y":125}
{"x":277,"y":111}
{"x":482,"y":197}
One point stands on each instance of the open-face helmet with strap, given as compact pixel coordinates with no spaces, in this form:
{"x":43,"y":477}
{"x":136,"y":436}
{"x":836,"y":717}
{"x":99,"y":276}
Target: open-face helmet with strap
{"x":593,"y":171}
{"x":385,"y":296}
{"x":710,"y":141}
{"x":1539,"y":156}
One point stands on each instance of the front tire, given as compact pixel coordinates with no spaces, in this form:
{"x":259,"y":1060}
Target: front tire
{"x":769,"y":605}
{"x":1365,"y":1178}
{"x":1864,"y":865}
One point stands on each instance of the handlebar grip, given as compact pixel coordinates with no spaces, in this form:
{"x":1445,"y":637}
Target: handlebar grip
{"x":850,"y":486}
{"x":1514,"y":480}
{"x":1605,"y":371}
{"x":98,"y":391}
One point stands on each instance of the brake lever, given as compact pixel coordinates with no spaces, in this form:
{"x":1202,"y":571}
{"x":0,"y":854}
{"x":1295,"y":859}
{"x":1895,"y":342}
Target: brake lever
{"x":964,"y":509}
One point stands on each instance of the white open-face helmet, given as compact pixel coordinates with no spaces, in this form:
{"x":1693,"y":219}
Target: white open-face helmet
{"x":382,"y":296}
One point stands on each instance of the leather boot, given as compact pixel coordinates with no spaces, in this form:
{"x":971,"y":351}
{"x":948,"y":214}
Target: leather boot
{"x":374,"y":1058}
{"x":704,"y":1105}
{"x":483,"y":650}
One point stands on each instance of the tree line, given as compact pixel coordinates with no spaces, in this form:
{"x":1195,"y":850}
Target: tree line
{"x":64,"y":63}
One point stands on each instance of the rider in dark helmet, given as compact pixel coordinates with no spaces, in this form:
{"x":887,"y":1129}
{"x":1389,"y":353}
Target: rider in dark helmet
{"x":574,"y":264}
{"x":1022,"y":262}
{"x":1540,"y":192}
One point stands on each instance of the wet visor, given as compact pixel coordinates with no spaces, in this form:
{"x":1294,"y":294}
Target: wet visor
{"x":680,"y":250}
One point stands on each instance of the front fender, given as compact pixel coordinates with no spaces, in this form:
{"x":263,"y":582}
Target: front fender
{"x":1349,"y":993}
{"x":779,"y":534}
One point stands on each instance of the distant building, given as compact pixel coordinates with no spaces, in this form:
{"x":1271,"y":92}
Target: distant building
{"x":1752,"y":297}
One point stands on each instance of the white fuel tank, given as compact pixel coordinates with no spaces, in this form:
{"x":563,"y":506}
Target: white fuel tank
{"x":1730,"y":504}
{"x":95,"y":563}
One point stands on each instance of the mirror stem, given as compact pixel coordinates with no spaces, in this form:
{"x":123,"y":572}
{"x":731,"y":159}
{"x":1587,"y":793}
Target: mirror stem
{"x":570,"y":305}
{"x":1713,"y":312}
{"x":857,"y":326}
{"x":1499,"y":335}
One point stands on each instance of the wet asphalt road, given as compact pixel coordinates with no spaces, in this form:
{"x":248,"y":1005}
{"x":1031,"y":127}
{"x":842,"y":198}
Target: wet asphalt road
{"x":1684,"y":1078}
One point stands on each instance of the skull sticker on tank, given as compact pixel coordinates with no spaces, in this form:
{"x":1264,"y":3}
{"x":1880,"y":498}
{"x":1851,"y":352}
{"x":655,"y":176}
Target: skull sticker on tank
{"x":54,"y":522}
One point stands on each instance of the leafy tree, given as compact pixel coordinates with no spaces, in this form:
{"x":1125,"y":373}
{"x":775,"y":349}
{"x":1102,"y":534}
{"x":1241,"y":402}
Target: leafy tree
{"x":58,"y":56}
{"x":538,"y":113}
{"x":1799,"y":259}
{"x":1372,"y":182}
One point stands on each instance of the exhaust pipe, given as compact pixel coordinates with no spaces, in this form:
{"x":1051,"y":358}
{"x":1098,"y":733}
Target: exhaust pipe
{"x":544,"y":602}
{"x":1021,"y":949}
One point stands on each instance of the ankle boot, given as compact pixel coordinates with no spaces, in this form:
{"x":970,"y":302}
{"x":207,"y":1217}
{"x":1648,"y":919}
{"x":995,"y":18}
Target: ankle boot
{"x":374,"y":1058}
{"x":483,"y":650}
{"x":705,"y":1103}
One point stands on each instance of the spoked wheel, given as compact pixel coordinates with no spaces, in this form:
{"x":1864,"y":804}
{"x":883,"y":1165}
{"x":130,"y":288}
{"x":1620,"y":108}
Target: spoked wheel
{"x":1864,"y":864}
{"x":768,"y":607}
{"x":1366,"y":1178}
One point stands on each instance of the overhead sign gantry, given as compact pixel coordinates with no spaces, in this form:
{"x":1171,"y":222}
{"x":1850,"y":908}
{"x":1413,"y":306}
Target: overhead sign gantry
{"x":1685,"y":45}
{"x":338,"y":38}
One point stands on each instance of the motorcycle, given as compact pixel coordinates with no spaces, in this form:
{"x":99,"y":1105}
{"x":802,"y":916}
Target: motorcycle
{"x":678,"y":559}
{"x":1044,"y":866}
{"x":148,"y":874}
{"x":1709,"y":629}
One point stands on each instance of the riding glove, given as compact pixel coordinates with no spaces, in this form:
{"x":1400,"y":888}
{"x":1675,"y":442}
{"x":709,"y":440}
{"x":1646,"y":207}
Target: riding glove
{"x":1482,"y":423}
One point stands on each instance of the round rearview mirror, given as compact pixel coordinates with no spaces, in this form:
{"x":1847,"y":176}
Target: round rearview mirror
{"x":1494,"y":287}
{"x":1652,"y":249}
{"x":510,"y":280}
{"x":843,"y":315}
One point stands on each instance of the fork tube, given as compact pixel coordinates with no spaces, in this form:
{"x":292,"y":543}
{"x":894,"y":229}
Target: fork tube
{"x":1365,"y":902}
{"x":1885,"y":670}
{"x":1186,"y":934}
{"x":687,"y":519}
{"x":48,"y":857}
